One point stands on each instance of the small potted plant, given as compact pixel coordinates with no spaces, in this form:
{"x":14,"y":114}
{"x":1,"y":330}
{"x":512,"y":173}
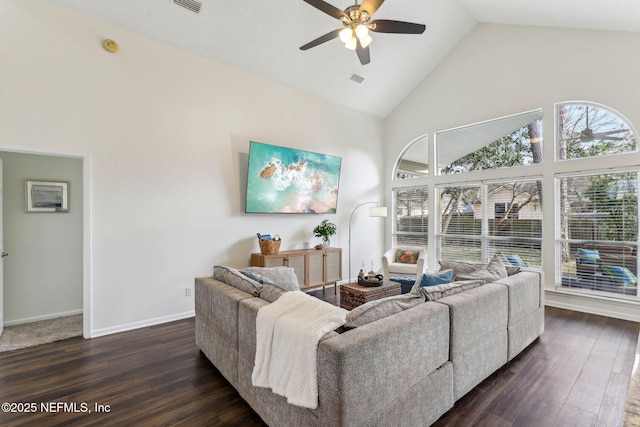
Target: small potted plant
{"x":325,"y":230}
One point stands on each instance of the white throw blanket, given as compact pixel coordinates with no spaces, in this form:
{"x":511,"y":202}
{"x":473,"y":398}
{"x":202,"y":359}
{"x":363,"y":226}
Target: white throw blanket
{"x":288,"y":331}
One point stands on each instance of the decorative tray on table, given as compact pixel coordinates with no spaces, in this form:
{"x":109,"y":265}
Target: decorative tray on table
{"x":371,"y":281}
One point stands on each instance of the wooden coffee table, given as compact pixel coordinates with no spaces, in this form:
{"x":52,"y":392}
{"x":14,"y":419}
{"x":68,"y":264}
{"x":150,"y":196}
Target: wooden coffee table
{"x":353,"y":294}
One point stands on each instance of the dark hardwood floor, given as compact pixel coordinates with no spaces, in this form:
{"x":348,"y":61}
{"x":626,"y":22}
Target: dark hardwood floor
{"x":576,"y":374}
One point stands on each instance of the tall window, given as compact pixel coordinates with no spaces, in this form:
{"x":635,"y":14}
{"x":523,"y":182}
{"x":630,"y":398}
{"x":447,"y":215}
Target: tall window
{"x":460,"y":226}
{"x":517,"y":232}
{"x":477,"y":222}
{"x":411,"y":216}
{"x":597,"y":211}
{"x":599,"y":232}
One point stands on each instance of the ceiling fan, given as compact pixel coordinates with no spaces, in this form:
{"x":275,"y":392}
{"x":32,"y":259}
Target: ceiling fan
{"x":357,"y":24}
{"x":587,"y":134}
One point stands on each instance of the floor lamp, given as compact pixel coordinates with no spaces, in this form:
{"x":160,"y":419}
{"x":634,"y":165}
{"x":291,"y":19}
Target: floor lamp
{"x":377,"y":211}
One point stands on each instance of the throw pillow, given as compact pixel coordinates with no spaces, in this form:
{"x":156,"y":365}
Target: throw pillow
{"x":434,"y":293}
{"x":495,"y":270}
{"x":283,"y":277}
{"x":511,"y":270}
{"x":233,"y":277}
{"x":438,"y":278}
{"x":459,"y":267}
{"x":503,"y":258}
{"x":484,"y":275}
{"x":377,"y":309}
{"x":623,"y":275}
{"x":407,"y":256}
{"x":257,"y":277}
{"x":516,"y":260}
{"x":271,"y":292}
{"x":588,"y":256}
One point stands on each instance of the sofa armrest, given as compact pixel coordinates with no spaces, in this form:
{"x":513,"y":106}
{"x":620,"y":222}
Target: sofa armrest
{"x":387,"y":258}
{"x":421,"y":267}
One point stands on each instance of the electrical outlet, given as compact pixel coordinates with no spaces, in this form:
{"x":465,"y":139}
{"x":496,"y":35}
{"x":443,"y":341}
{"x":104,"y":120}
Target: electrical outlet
{"x":187,"y":292}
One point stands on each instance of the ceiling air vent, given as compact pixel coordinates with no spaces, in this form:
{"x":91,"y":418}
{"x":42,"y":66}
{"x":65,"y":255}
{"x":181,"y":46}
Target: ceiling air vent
{"x":357,"y":78}
{"x":192,"y":5}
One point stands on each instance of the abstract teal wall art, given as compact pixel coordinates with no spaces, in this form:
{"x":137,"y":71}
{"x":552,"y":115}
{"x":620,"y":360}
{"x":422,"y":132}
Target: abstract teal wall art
{"x":291,"y":181}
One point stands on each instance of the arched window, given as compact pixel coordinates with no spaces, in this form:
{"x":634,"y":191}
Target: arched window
{"x":413,"y":162}
{"x":590,"y":130}
{"x":411,"y":204}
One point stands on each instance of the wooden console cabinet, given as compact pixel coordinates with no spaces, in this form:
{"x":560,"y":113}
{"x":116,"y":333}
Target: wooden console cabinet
{"x":313,"y":267}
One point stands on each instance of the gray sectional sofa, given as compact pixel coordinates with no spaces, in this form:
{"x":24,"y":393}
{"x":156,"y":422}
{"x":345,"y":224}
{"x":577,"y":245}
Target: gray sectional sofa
{"x":403,"y":369}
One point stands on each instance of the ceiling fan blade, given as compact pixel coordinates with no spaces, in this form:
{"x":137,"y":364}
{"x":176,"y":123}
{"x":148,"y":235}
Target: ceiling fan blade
{"x":322,"y":39}
{"x":327,"y":8}
{"x":398,"y":27}
{"x":610,"y":132}
{"x":370,"y":6}
{"x":363,"y":53}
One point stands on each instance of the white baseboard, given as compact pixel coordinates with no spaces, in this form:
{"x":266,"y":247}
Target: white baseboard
{"x":141,"y":324}
{"x":618,"y":308}
{"x":43,"y":317}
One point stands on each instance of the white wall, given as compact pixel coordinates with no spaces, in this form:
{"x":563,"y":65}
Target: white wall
{"x":164,"y":136}
{"x":42,"y":276}
{"x":501,"y":70}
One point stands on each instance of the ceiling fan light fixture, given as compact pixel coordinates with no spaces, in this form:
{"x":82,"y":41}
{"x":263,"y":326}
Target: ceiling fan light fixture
{"x":357,"y":25}
{"x":361,"y":31}
{"x":346,"y":35}
{"x":366,"y":40}
{"x":351,"y":43}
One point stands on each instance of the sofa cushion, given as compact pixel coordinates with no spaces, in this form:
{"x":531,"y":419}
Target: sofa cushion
{"x":407,"y":256}
{"x":283,"y":277}
{"x":400,"y":268}
{"x":459,"y":267}
{"x":377,"y":309}
{"x":437,"y":278}
{"x":622,"y":275}
{"x":516,"y":260}
{"x":479,"y":342}
{"x":588,"y":256}
{"x":235,"y":278}
{"x":495,"y":270}
{"x":434,"y":293}
{"x":524,"y":294}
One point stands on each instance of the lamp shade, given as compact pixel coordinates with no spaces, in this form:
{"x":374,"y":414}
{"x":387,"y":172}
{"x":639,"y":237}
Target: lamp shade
{"x":378,"y":211}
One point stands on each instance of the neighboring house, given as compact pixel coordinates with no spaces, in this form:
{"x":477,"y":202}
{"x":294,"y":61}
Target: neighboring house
{"x":518,"y":204}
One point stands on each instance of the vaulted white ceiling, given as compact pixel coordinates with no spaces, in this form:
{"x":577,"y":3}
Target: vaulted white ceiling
{"x":263,"y":37}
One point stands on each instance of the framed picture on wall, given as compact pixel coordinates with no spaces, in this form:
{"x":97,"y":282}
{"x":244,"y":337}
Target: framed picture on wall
{"x":47,"y":196}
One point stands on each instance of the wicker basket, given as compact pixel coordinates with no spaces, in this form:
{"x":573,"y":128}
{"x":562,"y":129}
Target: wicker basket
{"x":269,"y":247}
